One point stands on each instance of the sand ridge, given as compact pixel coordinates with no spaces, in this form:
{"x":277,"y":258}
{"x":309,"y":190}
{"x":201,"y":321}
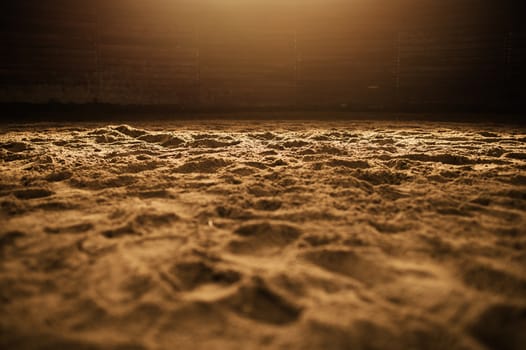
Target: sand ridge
{"x":263,"y":234}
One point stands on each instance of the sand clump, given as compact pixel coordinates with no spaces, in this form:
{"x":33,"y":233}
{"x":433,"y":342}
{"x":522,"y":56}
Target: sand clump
{"x":289,"y":235}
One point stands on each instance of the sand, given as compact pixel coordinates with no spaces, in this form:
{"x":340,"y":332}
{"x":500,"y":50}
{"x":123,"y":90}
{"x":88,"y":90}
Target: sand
{"x":279,"y":235}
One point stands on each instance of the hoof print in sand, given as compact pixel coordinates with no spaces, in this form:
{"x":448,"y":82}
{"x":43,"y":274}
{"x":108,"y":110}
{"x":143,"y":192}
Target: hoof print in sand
{"x":59,"y":176}
{"x":501,"y":327}
{"x":212,"y":143}
{"x":194,"y":274}
{"x":268,"y":204}
{"x":33,"y":193}
{"x":202,"y":165}
{"x":122,"y":231}
{"x":155,"y":138}
{"x":487,"y":279}
{"x":264,"y":237}
{"x":10,"y":238}
{"x":102,"y":184}
{"x":350,"y":264}
{"x":78,"y":228}
{"x":155,"y":220}
{"x":389,"y":227}
{"x":259,"y":303}
{"x":142,"y":223}
{"x":163,"y":194}
{"x":16,"y":147}
{"x":352,"y":164}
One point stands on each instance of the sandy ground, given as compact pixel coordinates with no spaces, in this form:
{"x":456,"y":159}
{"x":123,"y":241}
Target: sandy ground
{"x":239,"y":235}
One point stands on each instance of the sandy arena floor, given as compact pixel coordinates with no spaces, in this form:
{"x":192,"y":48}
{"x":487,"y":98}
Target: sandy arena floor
{"x":240,"y":235}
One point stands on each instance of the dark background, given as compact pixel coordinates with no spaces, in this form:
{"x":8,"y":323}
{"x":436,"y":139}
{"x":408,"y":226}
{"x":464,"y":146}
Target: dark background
{"x":224,"y":55}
